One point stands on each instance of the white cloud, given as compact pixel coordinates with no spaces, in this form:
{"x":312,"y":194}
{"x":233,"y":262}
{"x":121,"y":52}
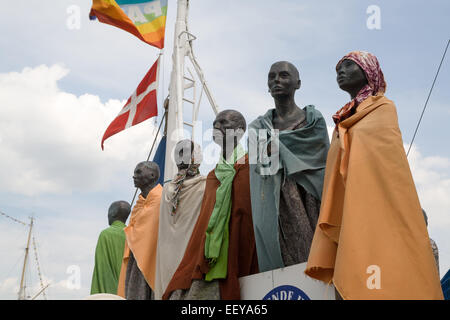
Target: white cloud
{"x":51,"y":138}
{"x":432,"y":179}
{"x":8,"y":288}
{"x":431,"y":175}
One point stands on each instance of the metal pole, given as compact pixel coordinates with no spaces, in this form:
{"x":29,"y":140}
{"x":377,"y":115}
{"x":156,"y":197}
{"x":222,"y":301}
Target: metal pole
{"x":176,"y":90}
{"x":21,"y":288}
{"x":151,"y":149}
{"x":201,"y":76}
{"x":42,"y":290}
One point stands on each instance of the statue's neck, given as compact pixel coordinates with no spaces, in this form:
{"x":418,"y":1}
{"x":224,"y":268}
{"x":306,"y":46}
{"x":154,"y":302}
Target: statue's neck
{"x":285,"y":106}
{"x":146,"y":190}
{"x":354,"y":91}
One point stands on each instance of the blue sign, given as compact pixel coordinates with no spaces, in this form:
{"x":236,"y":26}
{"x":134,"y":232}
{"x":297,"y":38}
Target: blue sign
{"x":286,"y":293}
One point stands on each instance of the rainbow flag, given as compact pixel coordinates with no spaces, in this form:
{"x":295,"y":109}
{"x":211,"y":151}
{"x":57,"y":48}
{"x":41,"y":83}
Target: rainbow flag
{"x":143,"y":18}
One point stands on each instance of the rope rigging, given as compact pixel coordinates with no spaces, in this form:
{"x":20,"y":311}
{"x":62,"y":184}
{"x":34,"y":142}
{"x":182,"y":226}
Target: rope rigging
{"x":25,"y":271}
{"x":428,"y":98}
{"x":13,"y":219}
{"x":38,"y":268}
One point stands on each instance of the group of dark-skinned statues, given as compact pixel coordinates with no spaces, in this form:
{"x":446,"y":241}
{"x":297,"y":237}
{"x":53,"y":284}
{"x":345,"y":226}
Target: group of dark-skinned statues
{"x":292,"y":198}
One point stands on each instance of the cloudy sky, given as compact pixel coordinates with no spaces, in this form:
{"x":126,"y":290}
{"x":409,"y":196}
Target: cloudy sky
{"x":63,"y":79}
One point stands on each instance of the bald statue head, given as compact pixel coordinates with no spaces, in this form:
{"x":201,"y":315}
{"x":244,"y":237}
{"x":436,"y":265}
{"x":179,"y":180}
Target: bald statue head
{"x":228,"y":129}
{"x":118,"y":210}
{"x":146,"y":176}
{"x":283,"y":79}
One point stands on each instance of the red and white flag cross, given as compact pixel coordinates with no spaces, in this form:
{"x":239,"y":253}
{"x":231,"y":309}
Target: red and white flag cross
{"x":140,"y":106}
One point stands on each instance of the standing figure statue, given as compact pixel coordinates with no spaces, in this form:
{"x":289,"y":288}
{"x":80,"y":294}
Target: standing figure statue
{"x":109,"y":250}
{"x":181,"y":201}
{"x":371,"y":240}
{"x":137,"y":275}
{"x":286,"y":185}
{"x":222,"y":246}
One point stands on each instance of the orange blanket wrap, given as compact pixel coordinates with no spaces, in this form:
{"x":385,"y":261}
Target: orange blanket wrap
{"x":370,"y":214}
{"x":142,"y":238}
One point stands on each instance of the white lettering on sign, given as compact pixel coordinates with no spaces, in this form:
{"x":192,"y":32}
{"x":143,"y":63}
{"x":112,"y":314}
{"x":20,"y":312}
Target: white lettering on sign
{"x":285,"y":295}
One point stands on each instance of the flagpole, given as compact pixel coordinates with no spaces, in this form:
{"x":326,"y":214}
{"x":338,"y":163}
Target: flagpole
{"x":151,"y":149}
{"x":176,"y":90}
{"x":161,"y":53}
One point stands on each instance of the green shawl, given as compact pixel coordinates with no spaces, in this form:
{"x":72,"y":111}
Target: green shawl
{"x":108,"y":259}
{"x":217,"y":233}
{"x":302,"y":158}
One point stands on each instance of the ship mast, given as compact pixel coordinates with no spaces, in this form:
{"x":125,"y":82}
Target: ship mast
{"x":175,"y":124}
{"x":22,"y":288}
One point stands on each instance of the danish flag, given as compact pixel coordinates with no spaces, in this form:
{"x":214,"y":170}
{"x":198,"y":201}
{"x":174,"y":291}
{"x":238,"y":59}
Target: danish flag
{"x":139,"y":107}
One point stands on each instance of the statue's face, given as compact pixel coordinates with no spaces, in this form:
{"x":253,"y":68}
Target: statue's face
{"x":224,"y":129}
{"x":282,"y":79}
{"x":143,"y":176}
{"x":350,"y":76}
{"x":183,"y":154}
